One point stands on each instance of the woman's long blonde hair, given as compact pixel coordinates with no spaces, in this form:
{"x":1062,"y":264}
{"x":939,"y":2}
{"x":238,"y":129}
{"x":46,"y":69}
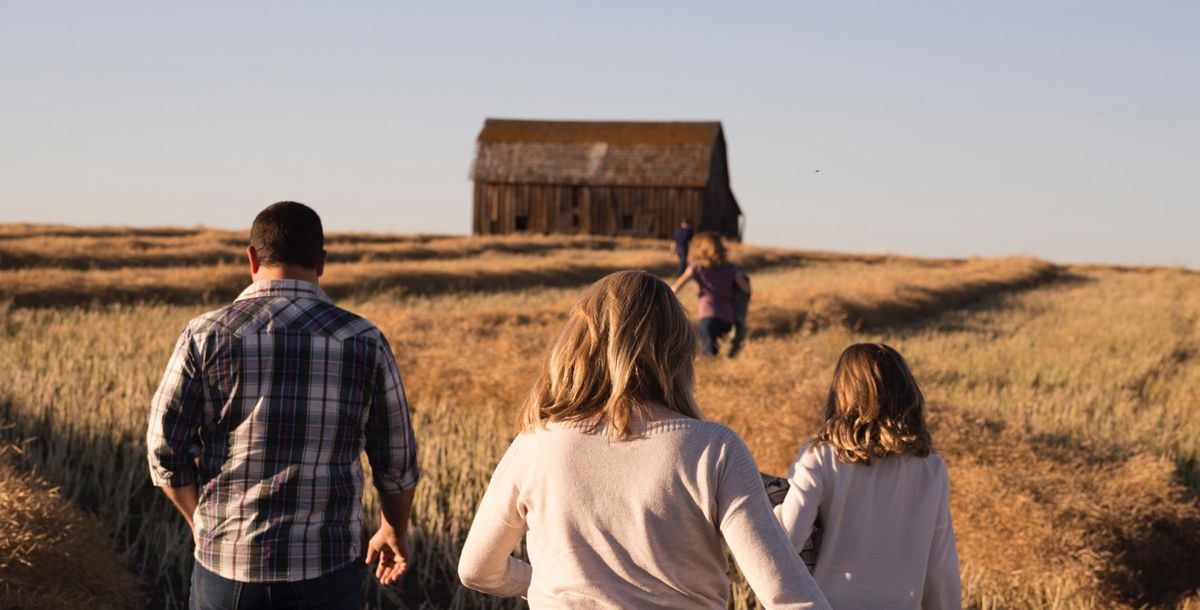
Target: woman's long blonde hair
{"x":875,"y":407}
{"x":627,"y":343}
{"x":708,"y":250}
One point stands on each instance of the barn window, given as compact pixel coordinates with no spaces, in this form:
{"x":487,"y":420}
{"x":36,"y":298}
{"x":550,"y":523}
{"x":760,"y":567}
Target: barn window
{"x":522,"y":223}
{"x":626,"y":221}
{"x":575,"y":220}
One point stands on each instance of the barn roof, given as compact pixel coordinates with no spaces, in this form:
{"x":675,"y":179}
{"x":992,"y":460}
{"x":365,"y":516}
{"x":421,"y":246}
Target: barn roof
{"x":616,"y":153}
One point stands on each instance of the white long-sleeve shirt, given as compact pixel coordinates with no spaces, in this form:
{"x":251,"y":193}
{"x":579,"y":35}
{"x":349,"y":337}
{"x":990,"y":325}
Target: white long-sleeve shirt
{"x":635,"y":523}
{"x":887,"y":542}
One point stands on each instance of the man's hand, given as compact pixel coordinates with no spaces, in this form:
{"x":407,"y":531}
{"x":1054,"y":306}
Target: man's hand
{"x":390,"y":544}
{"x":390,"y":547}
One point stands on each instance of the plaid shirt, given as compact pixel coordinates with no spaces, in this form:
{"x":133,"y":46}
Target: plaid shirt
{"x":267,"y":404}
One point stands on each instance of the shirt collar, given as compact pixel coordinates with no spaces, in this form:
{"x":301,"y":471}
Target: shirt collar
{"x":283,"y":288}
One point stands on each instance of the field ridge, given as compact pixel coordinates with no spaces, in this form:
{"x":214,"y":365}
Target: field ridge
{"x":1063,"y":398}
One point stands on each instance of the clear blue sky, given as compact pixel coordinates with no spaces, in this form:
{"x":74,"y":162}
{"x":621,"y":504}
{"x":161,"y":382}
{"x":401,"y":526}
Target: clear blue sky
{"x":1066,"y":130}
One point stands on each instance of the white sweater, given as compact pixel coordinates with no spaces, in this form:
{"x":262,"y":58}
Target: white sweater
{"x":631,"y":524}
{"x":888,"y":541}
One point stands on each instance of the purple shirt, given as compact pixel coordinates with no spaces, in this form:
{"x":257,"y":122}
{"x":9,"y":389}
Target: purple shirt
{"x":716,"y":291}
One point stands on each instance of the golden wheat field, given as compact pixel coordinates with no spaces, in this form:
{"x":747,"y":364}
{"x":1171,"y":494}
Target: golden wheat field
{"x":1065,"y":399}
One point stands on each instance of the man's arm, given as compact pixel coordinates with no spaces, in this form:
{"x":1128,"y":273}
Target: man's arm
{"x":171,"y":434}
{"x":390,"y":544}
{"x":392,"y":452}
{"x":185,"y":498}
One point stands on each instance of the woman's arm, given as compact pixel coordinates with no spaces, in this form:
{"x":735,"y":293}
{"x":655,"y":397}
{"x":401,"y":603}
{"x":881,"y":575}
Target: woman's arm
{"x":486,"y":563}
{"x":943,"y":587}
{"x":682,"y":280}
{"x":771,"y":566}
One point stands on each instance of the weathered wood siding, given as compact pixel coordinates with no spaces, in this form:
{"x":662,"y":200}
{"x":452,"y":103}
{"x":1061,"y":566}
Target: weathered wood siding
{"x":642,"y":211}
{"x":588,"y":210}
{"x":541,"y":208}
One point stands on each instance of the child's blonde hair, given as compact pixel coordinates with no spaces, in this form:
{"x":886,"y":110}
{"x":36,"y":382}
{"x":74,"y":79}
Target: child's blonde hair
{"x":627,"y":343}
{"x":875,"y":407}
{"x":708,"y":251}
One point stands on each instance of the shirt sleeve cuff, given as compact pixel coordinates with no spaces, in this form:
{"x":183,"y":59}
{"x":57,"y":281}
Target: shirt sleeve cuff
{"x":164,"y":477}
{"x":387,"y":482}
{"x":518,"y":580}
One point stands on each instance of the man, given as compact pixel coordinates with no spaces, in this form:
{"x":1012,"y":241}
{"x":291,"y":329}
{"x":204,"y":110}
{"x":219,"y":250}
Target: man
{"x":256,"y":433}
{"x":683,"y":237}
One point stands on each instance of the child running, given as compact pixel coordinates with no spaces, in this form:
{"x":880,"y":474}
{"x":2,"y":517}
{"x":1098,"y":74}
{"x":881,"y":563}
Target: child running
{"x":716,"y":278}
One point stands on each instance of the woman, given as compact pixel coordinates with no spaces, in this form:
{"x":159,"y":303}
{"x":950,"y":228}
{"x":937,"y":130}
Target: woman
{"x":625,"y":493}
{"x":880,"y":495}
{"x":716,"y":277}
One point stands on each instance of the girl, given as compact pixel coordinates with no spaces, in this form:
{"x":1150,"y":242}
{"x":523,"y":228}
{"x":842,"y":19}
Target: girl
{"x":716,"y":278}
{"x":880,"y":494}
{"x":625,"y":493}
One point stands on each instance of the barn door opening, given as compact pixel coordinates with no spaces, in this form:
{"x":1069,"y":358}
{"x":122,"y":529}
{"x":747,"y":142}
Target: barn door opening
{"x":570,"y":214}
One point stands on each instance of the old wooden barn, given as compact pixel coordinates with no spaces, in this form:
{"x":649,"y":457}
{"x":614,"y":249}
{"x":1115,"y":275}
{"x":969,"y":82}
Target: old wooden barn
{"x":602,"y":178}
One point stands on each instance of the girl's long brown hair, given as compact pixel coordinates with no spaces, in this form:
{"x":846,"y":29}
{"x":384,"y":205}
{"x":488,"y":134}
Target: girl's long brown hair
{"x":627,"y":343}
{"x":708,"y":250}
{"x":875,"y":407}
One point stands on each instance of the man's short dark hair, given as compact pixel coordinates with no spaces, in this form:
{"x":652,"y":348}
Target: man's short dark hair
{"x":288,"y":233}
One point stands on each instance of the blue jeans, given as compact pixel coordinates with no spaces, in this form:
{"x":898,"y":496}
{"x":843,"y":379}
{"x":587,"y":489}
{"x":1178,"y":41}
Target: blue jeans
{"x":340,"y":589}
{"x":682,"y":253}
{"x":712,"y":329}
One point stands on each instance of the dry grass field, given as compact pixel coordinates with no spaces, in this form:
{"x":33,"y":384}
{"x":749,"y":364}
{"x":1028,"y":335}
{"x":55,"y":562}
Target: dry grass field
{"x":1066,"y":400}
{"x":52,"y":555}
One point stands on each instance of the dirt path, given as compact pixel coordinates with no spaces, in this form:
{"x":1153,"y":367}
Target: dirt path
{"x":51,"y":554}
